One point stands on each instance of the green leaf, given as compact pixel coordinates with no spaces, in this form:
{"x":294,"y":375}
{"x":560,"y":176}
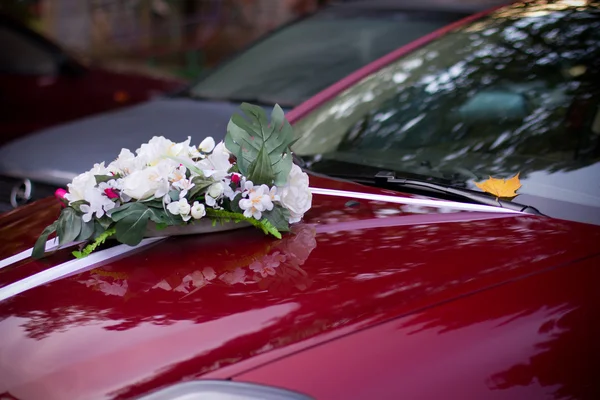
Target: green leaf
{"x":200,"y":185}
{"x":105,"y":222}
{"x":40,"y":245}
{"x":260,"y":170}
{"x":69,"y":226}
{"x":163,"y":217}
{"x":174,"y":195}
{"x":246,"y":138}
{"x":99,"y":229}
{"x":77,"y":204}
{"x":156,"y":203}
{"x":87,"y":230}
{"x":278,"y":217}
{"x":131,"y":225}
{"x":277,"y":118}
{"x":87,"y":250}
{"x":121,"y":212}
{"x":104,"y":178}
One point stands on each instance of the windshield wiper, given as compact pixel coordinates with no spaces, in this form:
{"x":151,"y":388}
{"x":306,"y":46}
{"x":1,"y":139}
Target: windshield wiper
{"x":373,"y":176}
{"x":388,"y":178}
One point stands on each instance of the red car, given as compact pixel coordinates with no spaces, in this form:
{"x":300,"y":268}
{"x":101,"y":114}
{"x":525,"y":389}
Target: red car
{"x":382,"y":291}
{"x":41,"y":85}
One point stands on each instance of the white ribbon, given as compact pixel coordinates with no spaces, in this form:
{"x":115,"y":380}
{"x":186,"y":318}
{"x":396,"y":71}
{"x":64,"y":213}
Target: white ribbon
{"x":94,"y":259}
{"x":50,"y":244}
{"x":407,"y":200}
{"x":71,"y":267}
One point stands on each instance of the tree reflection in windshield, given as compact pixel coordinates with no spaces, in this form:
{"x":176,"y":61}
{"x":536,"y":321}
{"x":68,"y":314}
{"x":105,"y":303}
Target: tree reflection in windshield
{"x":515,"y":92}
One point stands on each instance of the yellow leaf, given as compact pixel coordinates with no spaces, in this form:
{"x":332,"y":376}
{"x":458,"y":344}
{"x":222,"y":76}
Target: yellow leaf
{"x":506,"y":188}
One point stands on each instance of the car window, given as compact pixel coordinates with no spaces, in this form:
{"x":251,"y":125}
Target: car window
{"x":518,"y":91}
{"x":20,"y":55}
{"x":300,"y":60}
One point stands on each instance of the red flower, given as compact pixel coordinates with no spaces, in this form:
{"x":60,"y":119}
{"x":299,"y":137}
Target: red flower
{"x":111,"y":194}
{"x":235,"y":178}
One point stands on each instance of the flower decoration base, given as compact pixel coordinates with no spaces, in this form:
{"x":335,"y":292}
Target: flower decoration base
{"x":198,"y":227}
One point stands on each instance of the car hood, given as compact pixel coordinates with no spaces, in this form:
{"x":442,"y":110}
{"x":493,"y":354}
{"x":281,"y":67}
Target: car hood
{"x":188,"y":306}
{"x":56,"y":155}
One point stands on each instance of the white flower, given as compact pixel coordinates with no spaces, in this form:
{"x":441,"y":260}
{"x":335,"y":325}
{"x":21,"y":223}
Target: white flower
{"x":184,"y":209}
{"x":126,"y":163}
{"x":198,"y":211}
{"x":207,"y":145}
{"x":178,"y":174}
{"x":180,"y":181}
{"x":180,"y":207}
{"x":217,"y":164}
{"x":173,"y":207}
{"x":215,"y":191}
{"x":184,"y":185}
{"x":158,"y":148}
{"x":227,"y":190}
{"x":258,"y":200}
{"x":194,"y":153}
{"x":296,"y":195}
{"x":148,"y":182}
{"x":248,"y":188}
{"x":99,"y":204}
{"x":83,"y":182}
{"x":274,"y":195}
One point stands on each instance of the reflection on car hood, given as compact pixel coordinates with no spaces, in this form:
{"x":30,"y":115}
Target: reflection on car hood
{"x":187,"y":306}
{"x":58,"y":154}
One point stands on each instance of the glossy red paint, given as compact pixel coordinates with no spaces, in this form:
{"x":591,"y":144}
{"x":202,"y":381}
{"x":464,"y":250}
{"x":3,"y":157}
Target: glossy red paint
{"x":327,"y":94}
{"x":533,"y":338}
{"x":209,"y":306}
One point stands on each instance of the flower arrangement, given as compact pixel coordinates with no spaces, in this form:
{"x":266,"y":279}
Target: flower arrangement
{"x":250,"y":177}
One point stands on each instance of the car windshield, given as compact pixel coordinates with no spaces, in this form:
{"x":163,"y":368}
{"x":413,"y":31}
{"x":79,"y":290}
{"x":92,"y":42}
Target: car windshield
{"x":305,"y":57}
{"x":515,"y":92}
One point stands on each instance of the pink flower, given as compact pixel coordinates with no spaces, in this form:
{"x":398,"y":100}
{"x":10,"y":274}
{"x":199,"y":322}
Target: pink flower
{"x":60,"y":193}
{"x":60,"y":196}
{"x":110,"y":193}
{"x":235,"y":178}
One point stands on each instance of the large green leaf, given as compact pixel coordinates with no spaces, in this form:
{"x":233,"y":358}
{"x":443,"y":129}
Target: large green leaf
{"x":131,"y":226}
{"x":40,"y":245}
{"x":163,"y":217}
{"x":69,"y":226}
{"x":87,"y":230}
{"x":246,"y":138}
{"x":120,"y":212}
{"x":261,"y":170}
{"x":278,"y":217}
